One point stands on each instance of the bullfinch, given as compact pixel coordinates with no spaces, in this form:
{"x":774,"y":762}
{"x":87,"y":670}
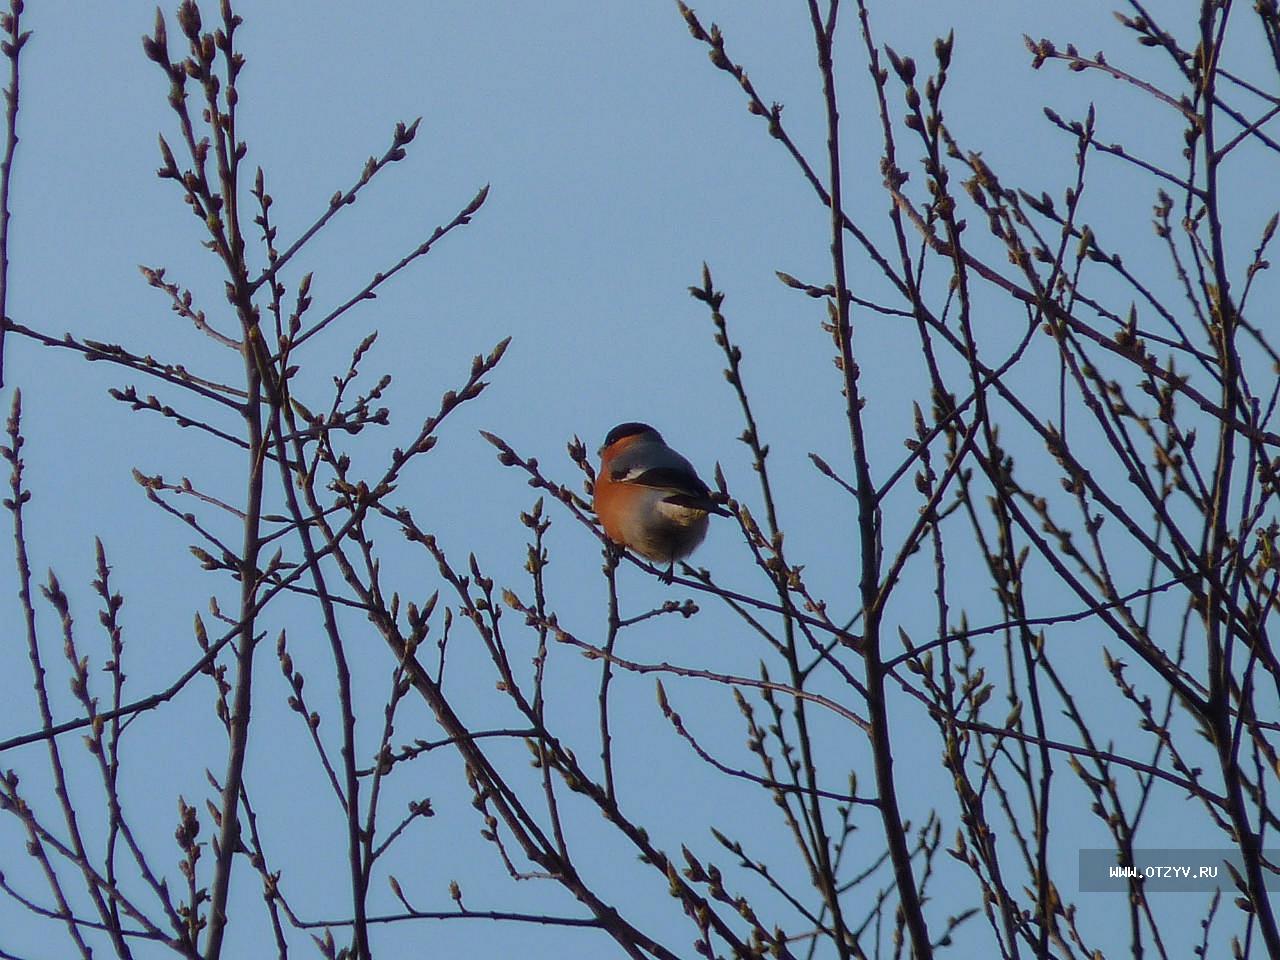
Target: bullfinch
{"x":649,"y":498}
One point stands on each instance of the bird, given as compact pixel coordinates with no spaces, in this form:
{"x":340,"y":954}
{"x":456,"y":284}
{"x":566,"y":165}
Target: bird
{"x":649,"y":498}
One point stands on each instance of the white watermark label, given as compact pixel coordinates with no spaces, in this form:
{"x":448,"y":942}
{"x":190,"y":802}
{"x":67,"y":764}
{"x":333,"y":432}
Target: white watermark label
{"x":1169,"y":870}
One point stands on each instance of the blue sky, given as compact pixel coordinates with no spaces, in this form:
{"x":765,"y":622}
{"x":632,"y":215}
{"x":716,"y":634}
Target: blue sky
{"x":618,"y":162}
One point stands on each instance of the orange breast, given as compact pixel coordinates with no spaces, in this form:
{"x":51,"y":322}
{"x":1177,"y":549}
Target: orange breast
{"x":610,"y":499}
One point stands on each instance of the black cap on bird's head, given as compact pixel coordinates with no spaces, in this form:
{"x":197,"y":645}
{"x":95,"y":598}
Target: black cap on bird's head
{"x":630,"y":429}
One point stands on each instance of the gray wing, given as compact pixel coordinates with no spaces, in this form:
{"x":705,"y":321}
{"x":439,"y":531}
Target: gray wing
{"x":657,"y":465}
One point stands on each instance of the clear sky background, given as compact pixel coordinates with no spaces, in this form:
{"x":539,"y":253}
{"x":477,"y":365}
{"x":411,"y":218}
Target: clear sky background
{"x":619,"y":161}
